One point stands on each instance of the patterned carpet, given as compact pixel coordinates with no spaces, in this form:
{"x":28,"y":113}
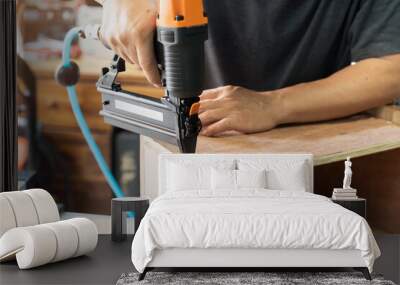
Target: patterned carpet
{"x":244,"y":278}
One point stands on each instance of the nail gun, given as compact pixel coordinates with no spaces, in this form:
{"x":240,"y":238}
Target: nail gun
{"x":179,"y":48}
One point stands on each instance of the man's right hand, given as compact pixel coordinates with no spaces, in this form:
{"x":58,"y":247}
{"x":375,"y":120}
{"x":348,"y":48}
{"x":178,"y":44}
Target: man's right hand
{"x":128,"y":28}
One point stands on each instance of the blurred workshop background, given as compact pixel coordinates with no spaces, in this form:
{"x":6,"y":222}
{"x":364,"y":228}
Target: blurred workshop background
{"x":52,"y":152}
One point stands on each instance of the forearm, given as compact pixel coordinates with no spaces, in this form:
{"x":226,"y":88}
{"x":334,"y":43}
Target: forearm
{"x":369,"y":83}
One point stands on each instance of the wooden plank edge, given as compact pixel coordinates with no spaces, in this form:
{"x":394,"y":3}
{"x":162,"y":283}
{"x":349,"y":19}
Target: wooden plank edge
{"x":334,"y":157}
{"x":388,"y":113}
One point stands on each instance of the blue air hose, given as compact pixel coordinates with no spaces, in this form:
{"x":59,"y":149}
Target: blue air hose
{"x":72,"y":95}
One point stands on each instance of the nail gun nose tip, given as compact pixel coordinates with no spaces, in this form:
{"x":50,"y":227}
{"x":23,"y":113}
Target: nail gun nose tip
{"x":188,"y":145}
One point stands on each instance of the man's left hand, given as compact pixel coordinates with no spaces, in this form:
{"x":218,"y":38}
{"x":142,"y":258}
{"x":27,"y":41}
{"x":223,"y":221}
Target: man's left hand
{"x":233,"y":108}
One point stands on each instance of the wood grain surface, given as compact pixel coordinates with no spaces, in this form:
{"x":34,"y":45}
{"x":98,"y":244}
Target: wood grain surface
{"x":327,"y":141}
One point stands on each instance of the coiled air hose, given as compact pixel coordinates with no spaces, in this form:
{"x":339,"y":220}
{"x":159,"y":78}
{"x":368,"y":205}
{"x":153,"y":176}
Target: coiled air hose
{"x":68,"y":75}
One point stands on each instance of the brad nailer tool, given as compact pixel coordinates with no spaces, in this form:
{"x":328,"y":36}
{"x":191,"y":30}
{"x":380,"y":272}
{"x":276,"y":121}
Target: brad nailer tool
{"x":179,"y":47}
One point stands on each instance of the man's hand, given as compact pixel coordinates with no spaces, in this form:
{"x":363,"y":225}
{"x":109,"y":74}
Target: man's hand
{"x":128,"y":28}
{"x":232,"y":108}
{"x":368,"y":84}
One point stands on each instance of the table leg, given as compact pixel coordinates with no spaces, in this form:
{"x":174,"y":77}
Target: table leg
{"x":118,"y":222}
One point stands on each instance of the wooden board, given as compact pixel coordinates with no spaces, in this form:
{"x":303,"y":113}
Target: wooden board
{"x":389,"y":113}
{"x":328,"y":141}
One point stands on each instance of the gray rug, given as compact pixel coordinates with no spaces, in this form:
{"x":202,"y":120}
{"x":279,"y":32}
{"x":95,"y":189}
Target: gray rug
{"x":244,"y":278}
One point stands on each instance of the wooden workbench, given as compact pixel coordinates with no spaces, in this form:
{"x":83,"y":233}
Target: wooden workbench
{"x":328,"y":141}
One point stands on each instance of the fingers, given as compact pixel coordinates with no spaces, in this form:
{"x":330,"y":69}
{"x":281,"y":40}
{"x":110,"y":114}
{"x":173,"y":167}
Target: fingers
{"x":142,"y":55}
{"x":133,"y":55}
{"x":213,"y":106}
{"x":208,"y":105}
{"x":148,"y":63}
{"x":208,"y":99}
{"x":216,"y":109}
{"x":102,"y":38}
{"x":217,"y":128}
{"x":128,"y":29}
{"x":126,"y":57}
{"x":212,"y":116}
{"x":120,"y":47}
{"x":211,"y":94}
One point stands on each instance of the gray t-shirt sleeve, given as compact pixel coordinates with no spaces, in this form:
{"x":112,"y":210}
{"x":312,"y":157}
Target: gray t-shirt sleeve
{"x":375,"y":31}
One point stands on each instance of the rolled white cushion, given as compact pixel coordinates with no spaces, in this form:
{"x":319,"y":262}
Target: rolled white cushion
{"x":87,"y":235}
{"x":7,"y":218}
{"x":33,"y":246}
{"x":67,"y":239}
{"x":37,"y":245}
{"x":23,"y":208}
{"x":45,"y":205}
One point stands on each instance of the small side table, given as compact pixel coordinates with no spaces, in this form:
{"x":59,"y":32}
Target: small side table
{"x":119,"y":209}
{"x":358,"y":205}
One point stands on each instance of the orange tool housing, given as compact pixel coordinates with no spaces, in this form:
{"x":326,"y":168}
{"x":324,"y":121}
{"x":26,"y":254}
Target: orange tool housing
{"x":181,"y":13}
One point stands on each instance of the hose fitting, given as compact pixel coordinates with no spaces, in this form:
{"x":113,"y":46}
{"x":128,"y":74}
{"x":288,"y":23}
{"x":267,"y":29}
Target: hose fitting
{"x":68,"y":75}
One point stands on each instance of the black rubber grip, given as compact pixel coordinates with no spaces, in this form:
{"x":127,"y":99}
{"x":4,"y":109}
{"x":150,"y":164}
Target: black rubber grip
{"x":182,"y":60}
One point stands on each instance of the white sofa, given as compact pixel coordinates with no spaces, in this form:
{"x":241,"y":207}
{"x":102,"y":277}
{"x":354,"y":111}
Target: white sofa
{"x":31,"y":231}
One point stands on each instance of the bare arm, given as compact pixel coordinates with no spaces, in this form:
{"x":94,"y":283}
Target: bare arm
{"x":369,"y":83}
